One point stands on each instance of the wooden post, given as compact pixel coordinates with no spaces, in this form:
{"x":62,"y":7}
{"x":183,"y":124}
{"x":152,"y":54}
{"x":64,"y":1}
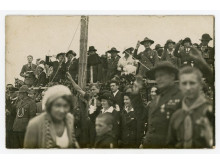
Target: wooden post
{"x":82,"y":80}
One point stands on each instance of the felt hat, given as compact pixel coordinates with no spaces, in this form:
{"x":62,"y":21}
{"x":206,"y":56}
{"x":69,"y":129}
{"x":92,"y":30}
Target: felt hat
{"x":92,"y":48}
{"x":113,"y":49}
{"x":145,"y":40}
{"x":187,"y":39}
{"x":158,"y":46}
{"x":128,"y":49}
{"x":206,"y":37}
{"x":71,"y":52}
{"x":164,"y":65}
{"x":60,"y":54}
{"x":170,"y":41}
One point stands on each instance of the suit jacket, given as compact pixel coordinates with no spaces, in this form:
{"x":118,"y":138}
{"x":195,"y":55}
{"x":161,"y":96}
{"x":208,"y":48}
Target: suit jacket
{"x":26,"y":68}
{"x":61,"y":72}
{"x":42,"y":79}
{"x":160,"y":113}
{"x":119,"y":99}
{"x":72,"y":67}
{"x":112,"y":67}
{"x":149,"y":58}
{"x":41,"y":133}
{"x":25,"y":110}
{"x":171,"y":58}
{"x":29,"y":79}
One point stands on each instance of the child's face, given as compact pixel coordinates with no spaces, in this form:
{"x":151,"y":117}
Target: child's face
{"x":101,"y":127}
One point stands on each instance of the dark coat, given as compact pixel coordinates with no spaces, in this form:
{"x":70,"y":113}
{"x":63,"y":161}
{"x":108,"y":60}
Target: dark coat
{"x":29,"y":79}
{"x":208,"y":54}
{"x":60,"y":75}
{"x":166,"y":103}
{"x":25,"y":109}
{"x":148,"y":58}
{"x":112,"y":67}
{"x":72,"y":68}
{"x":106,"y":141}
{"x":176,"y":128}
{"x":129,"y":129}
{"x":119,"y":99}
{"x":11,"y":117}
{"x":171,"y":58}
{"x":42,"y":80}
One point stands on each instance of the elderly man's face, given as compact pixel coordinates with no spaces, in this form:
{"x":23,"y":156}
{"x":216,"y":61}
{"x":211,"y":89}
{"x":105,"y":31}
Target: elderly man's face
{"x":69,"y":57}
{"x":92,"y":52}
{"x":61,"y":58}
{"x":164,"y":78}
{"x":114,"y":54}
{"x":170,"y":46}
{"x":205,"y":42}
{"x":190,"y":85}
{"x":187,"y":44}
{"x":30,"y":59}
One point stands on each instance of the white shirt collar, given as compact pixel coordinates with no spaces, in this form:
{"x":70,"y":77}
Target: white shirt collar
{"x":126,"y":109}
{"x":170,"y":52}
{"x":115,"y":93}
{"x":110,"y":110}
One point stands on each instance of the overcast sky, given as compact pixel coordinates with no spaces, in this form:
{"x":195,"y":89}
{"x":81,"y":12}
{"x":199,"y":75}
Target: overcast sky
{"x":40,"y":35}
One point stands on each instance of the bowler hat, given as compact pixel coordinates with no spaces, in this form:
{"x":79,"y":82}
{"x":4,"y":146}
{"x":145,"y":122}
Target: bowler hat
{"x":113,"y":49}
{"x":187,"y":39}
{"x":23,"y":89}
{"x":128,"y":49}
{"x":170,"y":41}
{"x":70,"y":52}
{"x":158,"y":46}
{"x":92,"y":48}
{"x":145,"y":40}
{"x":60,"y":54}
{"x":164,"y":65}
{"x":206,"y":37}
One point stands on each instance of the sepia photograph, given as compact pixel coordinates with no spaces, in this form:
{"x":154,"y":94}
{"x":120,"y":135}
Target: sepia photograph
{"x":110,"y":82}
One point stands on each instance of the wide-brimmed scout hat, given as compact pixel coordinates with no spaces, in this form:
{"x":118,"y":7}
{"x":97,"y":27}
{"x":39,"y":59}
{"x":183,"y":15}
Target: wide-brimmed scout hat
{"x":164,"y":65}
{"x":170,"y":41}
{"x":23,"y":89}
{"x":113,"y":49}
{"x":128,"y":49}
{"x":60,"y":54}
{"x":70,"y":52}
{"x":158,"y":46}
{"x":206,"y":37}
{"x":92,"y":48}
{"x":145,"y":40}
{"x":187,"y":39}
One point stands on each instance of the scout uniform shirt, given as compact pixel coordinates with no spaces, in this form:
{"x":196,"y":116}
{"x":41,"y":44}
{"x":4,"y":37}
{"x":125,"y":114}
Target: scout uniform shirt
{"x":25,"y":109}
{"x":166,"y":103}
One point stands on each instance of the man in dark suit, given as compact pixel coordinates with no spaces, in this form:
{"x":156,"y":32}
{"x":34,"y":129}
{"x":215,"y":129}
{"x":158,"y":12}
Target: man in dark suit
{"x":72,"y":64}
{"x":28,"y":71}
{"x":166,"y":103}
{"x":113,"y":63}
{"x":117,"y":95}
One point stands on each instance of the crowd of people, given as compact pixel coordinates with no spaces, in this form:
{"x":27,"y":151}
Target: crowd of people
{"x":158,"y":98}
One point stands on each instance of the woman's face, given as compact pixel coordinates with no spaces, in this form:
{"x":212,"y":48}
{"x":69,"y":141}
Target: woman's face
{"x":127,"y":101}
{"x":105,"y":104}
{"x":60,"y":107}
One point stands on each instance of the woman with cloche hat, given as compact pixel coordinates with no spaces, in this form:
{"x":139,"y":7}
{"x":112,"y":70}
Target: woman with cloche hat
{"x":55,"y":127}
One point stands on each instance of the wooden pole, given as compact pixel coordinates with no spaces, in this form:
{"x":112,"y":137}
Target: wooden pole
{"x":84,"y":140}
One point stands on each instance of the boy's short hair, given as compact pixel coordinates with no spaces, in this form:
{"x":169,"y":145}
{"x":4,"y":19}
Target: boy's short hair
{"x":114,"y":81}
{"x":189,"y":70}
{"x":30,"y":56}
{"x":108,"y":118}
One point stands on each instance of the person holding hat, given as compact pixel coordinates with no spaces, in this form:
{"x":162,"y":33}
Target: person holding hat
{"x":72,"y":64}
{"x":93,"y":65}
{"x":126,"y":62}
{"x":59,"y":68}
{"x":182,"y":51}
{"x":25,"y":110}
{"x":163,"y":106}
{"x":159,"y":50}
{"x":41,"y":76}
{"x":28,"y":71}
{"x":168,"y":54}
{"x":148,"y":58}
{"x":10,"y":116}
{"x":113,"y":63}
{"x":53,"y":128}
{"x":207,"y":51}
